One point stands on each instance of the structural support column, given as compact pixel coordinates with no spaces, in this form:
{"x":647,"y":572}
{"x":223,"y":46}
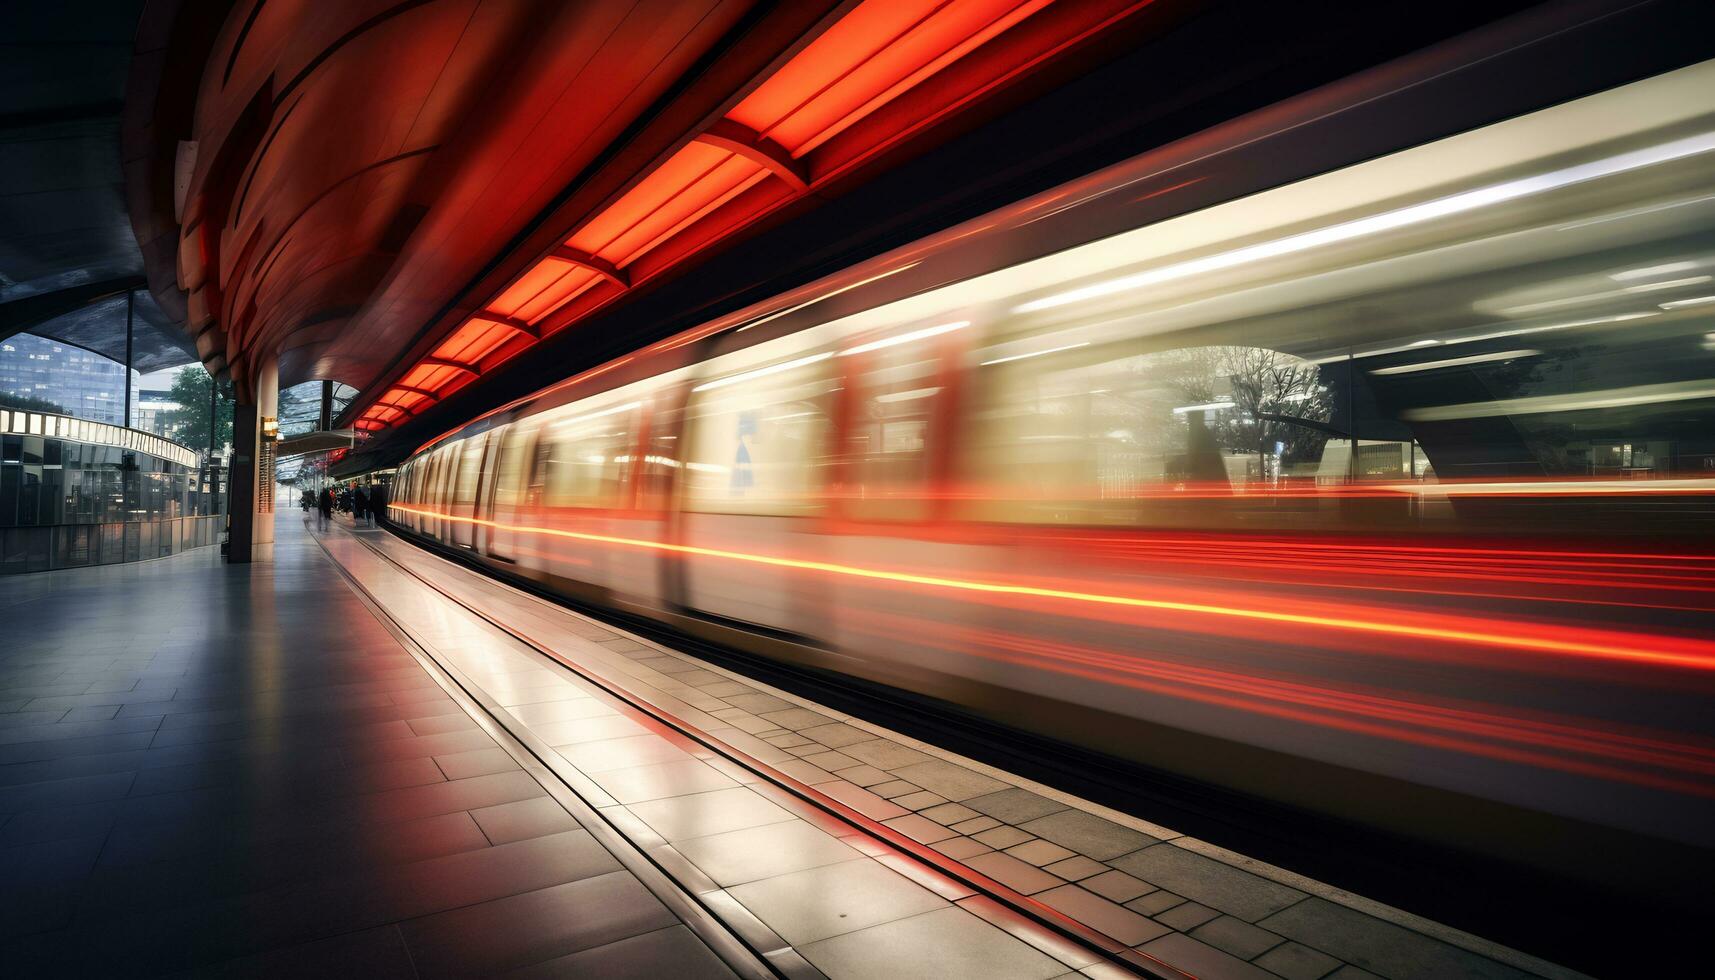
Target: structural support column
{"x":324,"y":421}
{"x":254,"y":429}
{"x":130,"y":310}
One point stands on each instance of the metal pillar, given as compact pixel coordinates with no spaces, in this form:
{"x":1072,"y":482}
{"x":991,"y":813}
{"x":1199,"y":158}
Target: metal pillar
{"x":130,"y":309}
{"x":255,"y":429}
{"x":241,"y":483}
{"x":213,"y":414}
{"x":325,"y":420}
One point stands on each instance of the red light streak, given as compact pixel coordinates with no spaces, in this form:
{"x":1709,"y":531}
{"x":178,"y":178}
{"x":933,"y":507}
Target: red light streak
{"x":1463,"y":729}
{"x":1524,"y":637}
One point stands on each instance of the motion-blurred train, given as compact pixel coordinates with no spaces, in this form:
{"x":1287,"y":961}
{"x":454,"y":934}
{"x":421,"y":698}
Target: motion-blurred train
{"x":1387,"y":492}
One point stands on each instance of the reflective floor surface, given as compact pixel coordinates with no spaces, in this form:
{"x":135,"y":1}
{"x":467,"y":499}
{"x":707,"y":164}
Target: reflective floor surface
{"x":236,"y":770}
{"x":787,"y":876}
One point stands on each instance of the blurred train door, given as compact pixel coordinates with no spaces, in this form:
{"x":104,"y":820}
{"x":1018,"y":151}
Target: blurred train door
{"x":898,"y":421}
{"x":467,"y":484}
{"x":635,"y":574}
{"x":508,"y":505}
{"x":755,"y":477}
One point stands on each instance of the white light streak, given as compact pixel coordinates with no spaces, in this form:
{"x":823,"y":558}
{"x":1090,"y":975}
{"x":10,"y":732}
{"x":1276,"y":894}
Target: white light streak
{"x":914,"y":394}
{"x":1505,"y":355}
{"x":828,"y":295}
{"x":1669,"y":284}
{"x":733,"y":379}
{"x":1654,"y":270}
{"x":1034,"y":353}
{"x":906,"y":338}
{"x":1346,"y":231}
{"x":1205,"y":407}
{"x":1680,"y":304}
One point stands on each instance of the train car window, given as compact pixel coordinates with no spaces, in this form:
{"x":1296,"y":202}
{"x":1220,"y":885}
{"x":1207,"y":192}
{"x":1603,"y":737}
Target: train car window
{"x":757,"y":439}
{"x":587,"y":452}
{"x":890,"y":442}
{"x":445,"y":465}
{"x":515,"y":451}
{"x":661,"y":460}
{"x":469,"y":471}
{"x":1103,"y":435}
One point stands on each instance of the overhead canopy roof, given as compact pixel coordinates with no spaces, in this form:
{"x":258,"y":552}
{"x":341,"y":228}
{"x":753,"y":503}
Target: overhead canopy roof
{"x":65,"y":238}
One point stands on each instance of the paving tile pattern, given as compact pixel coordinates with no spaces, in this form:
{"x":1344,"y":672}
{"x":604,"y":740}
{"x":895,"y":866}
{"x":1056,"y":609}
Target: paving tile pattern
{"x":1142,"y":885}
{"x":237,"y":771}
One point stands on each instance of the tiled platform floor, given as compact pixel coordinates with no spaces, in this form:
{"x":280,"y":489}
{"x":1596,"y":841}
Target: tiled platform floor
{"x":1205,"y":911}
{"x":238,"y":771}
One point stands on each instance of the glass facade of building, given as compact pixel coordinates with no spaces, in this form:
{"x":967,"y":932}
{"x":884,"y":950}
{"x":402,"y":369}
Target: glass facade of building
{"x":75,"y":492}
{"x":79,"y":383}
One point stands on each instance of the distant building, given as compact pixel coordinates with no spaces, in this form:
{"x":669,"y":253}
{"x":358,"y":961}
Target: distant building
{"x":84,"y":384}
{"x":152,"y":411}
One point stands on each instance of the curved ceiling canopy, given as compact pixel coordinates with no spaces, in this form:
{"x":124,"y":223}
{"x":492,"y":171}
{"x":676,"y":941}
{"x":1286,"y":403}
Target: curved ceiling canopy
{"x":403,"y":194}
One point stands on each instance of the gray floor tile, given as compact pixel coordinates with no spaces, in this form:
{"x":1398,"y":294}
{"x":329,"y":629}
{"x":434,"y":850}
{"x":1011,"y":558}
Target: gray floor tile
{"x":1236,"y":936}
{"x":738,"y":856}
{"x":1117,"y":886}
{"x":702,"y":814}
{"x":574,"y":731}
{"x":947,"y":943}
{"x":527,"y":928}
{"x":1201,"y":960}
{"x":862,"y":800}
{"x":805,"y":906}
{"x":796,"y":719}
{"x":1378,"y":946}
{"x":1187,"y":916}
{"x":1014,"y":806}
{"x":1013,"y":873}
{"x":954,"y":782}
{"x":1088,"y":834}
{"x":1295,"y":961}
{"x":1102,"y":915}
{"x":478,"y":762}
{"x":960,"y":848}
{"x":674,"y":952}
{"x":621,"y":753}
{"x":883,"y":754}
{"x":835,"y":736}
{"x":1206,"y":880}
{"x":640,"y":784}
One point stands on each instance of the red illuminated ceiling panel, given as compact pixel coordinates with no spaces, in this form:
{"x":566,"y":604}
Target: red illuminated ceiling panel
{"x":873,"y":55}
{"x":798,"y":125}
{"x":544,"y":278}
{"x":478,"y":338}
{"x":563,"y":290}
{"x":689,"y":185}
{"x":411,"y":401}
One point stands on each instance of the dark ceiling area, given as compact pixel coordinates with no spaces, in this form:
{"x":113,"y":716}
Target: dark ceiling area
{"x":67,"y":251}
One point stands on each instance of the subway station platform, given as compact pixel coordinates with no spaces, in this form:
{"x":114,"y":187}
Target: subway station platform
{"x":364,"y":759}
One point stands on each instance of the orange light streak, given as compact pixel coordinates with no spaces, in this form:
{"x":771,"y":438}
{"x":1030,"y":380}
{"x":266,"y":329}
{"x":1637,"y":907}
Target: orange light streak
{"x":1684,"y":653}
